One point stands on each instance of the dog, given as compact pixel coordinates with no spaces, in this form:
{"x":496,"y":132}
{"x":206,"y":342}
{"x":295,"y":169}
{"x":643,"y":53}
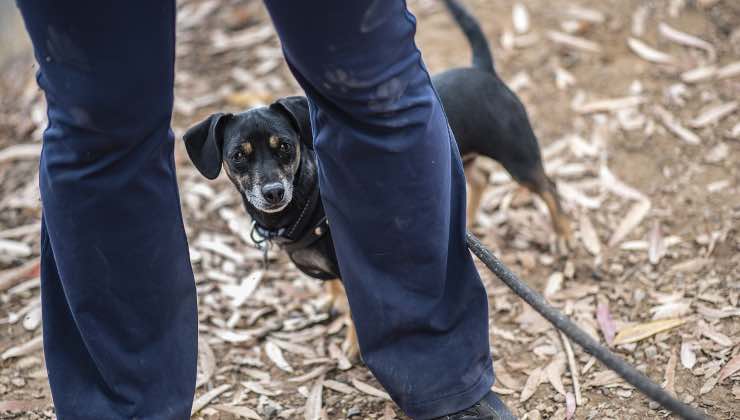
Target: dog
{"x":267,"y":153}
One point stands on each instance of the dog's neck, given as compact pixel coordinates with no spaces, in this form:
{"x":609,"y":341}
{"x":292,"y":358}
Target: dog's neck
{"x":304,"y":183}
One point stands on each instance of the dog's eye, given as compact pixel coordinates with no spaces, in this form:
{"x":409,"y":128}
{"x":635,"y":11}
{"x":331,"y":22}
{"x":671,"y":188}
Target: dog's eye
{"x":285,"y":148}
{"x":238,"y":156}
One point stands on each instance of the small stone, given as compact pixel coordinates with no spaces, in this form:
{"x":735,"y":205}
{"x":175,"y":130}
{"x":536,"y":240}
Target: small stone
{"x":353,"y":411}
{"x":651,"y":352}
{"x":18,"y":382}
{"x":653,"y":405}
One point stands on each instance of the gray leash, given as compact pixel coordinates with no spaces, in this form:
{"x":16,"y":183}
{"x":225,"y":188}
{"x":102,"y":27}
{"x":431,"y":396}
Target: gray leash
{"x":641,"y":382}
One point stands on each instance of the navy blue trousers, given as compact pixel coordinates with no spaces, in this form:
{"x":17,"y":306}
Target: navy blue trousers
{"x":117,"y":289}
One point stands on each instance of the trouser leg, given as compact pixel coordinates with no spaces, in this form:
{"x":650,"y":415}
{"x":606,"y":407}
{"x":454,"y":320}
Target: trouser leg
{"x":118,"y":297}
{"x":394,"y":191}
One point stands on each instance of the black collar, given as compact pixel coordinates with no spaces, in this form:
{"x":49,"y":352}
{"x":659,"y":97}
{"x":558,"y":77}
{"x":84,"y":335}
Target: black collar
{"x":308,"y":228}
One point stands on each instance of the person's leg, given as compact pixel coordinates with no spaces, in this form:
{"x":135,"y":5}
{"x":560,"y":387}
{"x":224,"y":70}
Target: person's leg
{"x":119,"y":302}
{"x":394,"y":190}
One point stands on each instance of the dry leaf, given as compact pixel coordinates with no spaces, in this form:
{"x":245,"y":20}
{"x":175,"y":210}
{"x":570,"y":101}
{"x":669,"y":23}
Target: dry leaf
{"x":730,"y":70}
{"x":688,"y":357}
{"x":206,"y":398}
{"x":20,"y":152}
{"x":574,"y":42}
{"x":648,"y":53}
{"x":683,"y":38}
{"x":520,"y":17}
{"x":633,"y":218}
{"x":28,"y":347}
{"x":14,"y":276}
{"x":709,"y":385}
{"x":669,"y":121}
{"x":370,"y":390}
{"x":276,"y":355}
{"x":572,"y":367}
{"x":671,"y":310}
{"x":639,"y":332}
{"x":259,"y":389}
{"x":670,"y":374}
{"x":339,"y":386}
{"x":206,"y":363}
{"x":554,"y":372}
{"x":312,"y":410}
{"x":609,"y":105}
{"x":690,"y":266}
{"x":716,"y":336}
{"x":730,"y":368}
{"x":533,"y":381}
{"x":657,"y":247}
{"x":606,"y":323}
{"x":388,"y":412}
{"x":554,"y":283}
{"x":713,"y":114}
{"x":699,"y":74}
{"x":570,"y":406}
{"x":589,"y":236}
{"x":242,"y":412}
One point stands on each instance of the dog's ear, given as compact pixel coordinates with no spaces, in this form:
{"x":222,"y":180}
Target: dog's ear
{"x":296,"y":108}
{"x":204,"y":142}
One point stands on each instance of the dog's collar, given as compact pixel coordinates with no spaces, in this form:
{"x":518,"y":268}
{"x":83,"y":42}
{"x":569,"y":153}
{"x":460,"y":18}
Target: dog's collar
{"x":303,"y":232}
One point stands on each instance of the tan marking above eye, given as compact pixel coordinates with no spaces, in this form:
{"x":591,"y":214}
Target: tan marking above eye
{"x":247,"y":147}
{"x":274,"y":142}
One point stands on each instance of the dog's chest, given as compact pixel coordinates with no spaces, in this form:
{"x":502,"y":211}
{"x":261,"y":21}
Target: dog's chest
{"x":315,"y":263}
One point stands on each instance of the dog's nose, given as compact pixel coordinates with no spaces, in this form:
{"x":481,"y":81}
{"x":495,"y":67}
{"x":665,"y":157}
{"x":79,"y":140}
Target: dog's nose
{"x":273,"y":192}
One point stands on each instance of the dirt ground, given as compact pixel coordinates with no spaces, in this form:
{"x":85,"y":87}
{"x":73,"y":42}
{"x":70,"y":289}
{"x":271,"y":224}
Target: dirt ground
{"x":644,"y":149}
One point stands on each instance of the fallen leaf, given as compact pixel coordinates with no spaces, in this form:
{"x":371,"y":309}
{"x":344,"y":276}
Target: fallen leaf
{"x":670,"y":374}
{"x":554,"y":372}
{"x":370,"y":390}
{"x":276,"y":355}
{"x":713,"y":114}
{"x":520,"y":17}
{"x":730,"y":368}
{"x":533,"y":381}
{"x":606,"y":323}
{"x":649,"y":53}
{"x":206,"y":363}
{"x":716,"y":336}
{"x":259,"y":389}
{"x":657,"y":247}
{"x":570,"y":405}
{"x":20,"y":152}
{"x":671,"y":310}
{"x":688,"y":357}
{"x":206,"y":398}
{"x":633,"y":218}
{"x":639,"y":332}
{"x":339,"y":386}
{"x":709,"y":385}
{"x":574,"y":42}
{"x":28,"y":347}
{"x":312,"y":410}
{"x":243,"y":412}
{"x":688,"y":40}
{"x":589,"y":236}
{"x":670,"y":122}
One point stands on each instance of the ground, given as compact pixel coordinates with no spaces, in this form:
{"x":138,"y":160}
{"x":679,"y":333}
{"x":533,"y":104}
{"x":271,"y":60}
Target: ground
{"x":656,"y":216}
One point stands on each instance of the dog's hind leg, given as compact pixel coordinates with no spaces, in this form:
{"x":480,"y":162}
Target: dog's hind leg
{"x":340,"y":306}
{"x":477,"y":180}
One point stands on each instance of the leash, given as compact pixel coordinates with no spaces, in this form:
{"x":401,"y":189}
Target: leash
{"x":641,"y":382}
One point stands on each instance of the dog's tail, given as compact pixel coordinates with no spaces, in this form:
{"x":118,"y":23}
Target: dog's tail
{"x":482,"y":57}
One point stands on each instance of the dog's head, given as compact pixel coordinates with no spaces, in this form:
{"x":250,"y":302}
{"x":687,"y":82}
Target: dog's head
{"x":261,"y":150}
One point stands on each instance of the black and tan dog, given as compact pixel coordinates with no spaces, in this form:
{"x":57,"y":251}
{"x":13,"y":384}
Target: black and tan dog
{"x":267,"y":154}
